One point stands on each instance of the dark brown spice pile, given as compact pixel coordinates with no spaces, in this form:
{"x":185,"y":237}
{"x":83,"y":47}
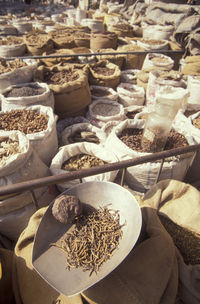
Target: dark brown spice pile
{"x":99,"y":93}
{"x":25,"y":91}
{"x":185,"y":240}
{"x":103,"y":70}
{"x":26,"y":121}
{"x":92,"y":241}
{"x":132,"y":138}
{"x":131,"y":115}
{"x":61,"y":77}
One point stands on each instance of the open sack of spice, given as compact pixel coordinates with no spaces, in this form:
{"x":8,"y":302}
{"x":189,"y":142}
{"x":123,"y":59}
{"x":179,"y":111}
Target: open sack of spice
{"x":153,"y":272}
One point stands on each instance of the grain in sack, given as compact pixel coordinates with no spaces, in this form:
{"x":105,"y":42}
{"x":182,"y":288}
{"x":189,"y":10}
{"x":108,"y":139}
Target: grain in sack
{"x":104,"y":73}
{"x":142,"y":177}
{"x":16,"y":72}
{"x":39,"y":124}
{"x":77,"y":152}
{"x":70,"y":87}
{"x":102,"y":111}
{"x":158,"y":61}
{"x":100,"y":92}
{"x":22,"y":95}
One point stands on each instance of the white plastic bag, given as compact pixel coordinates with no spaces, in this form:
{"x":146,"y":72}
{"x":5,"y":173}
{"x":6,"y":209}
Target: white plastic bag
{"x":45,"y":142}
{"x":21,"y":75}
{"x":44,"y":99}
{"x":130,"y":94}
{"x":22,"y":166}
{"x":158,"y":61}
{"x":194,"y":89}
{"x":129,"y":76}
{"x":68,"y":151}
{"x":142,"y":177}
{"x":157,"y":45}
{"x":105,"y":93}
{"x":71,"y":130}
{"x":99,"y":114}
{"x":14,"y":50}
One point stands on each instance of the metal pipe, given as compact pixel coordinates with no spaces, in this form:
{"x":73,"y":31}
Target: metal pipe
{"x":95,"y":54}
{"x":56,"y":179}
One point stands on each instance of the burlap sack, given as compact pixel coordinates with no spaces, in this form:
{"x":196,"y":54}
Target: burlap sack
{"x":71,"y":97}
{"x":63,"y":41}
{"x":133,"y":61}
{"x":154,"y":272}
{"x":101,"y":79}
{"x":122,"y":29}
{"x":49,"y":62}
{"x":38,"y":42}
{"x":105,"y":40}
{"x":28,"y":286}
{"x":116,"y":59}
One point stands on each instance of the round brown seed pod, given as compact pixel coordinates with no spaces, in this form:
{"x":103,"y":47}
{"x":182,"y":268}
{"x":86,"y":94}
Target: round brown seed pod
{"x":66,"y":208}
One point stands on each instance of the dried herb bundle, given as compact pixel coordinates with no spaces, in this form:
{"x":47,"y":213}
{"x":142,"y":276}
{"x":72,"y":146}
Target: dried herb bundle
{"x":93,"y":240}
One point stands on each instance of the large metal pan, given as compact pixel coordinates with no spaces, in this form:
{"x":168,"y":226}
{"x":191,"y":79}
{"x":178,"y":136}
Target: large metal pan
{"x":50,"y":261}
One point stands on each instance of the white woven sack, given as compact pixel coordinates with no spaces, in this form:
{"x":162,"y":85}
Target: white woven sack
{"x":155,"y":83}
{"x":44,"y":99}
{"x":14,"y":50}
{"x":160,"y":32}
{"x":22,"y":26}
{"x":22,"y":166}
{"x":68,"y":151}
{"x":194,"y":89}
{"x":142,"y":177}
{"x":130,"y":94}
{"x":8,"y":29}
{"x":111,"y":94}
{"x":69,"y":131}
{"x":45,"y":142}
{"x":129,"y":76}
{"x":21,"y":75}
{"x":148,"y":63}
{"x":99,"y":119}
{"x":160,"y":45}
{"x":16,"y":211}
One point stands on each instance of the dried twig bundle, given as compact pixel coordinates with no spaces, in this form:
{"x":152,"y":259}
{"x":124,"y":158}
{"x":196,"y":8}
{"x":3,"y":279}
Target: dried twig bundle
{"x":93,"y":240}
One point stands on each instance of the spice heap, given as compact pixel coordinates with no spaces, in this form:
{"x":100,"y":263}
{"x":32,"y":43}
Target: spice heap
{"x":26,"y":121}
{"x":25,"y":91}
{"x":105,"y":109}
{"x":91,"y":243}
{"x":99,"y":92}
{"x":81,"y":161}
{"x":8,"y":147}
{"x":186,"y":241}
{"x":103,"y":70}
{"x":61,"y":77}
{"x":8,"y":66}
{"x":132,"y":138}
